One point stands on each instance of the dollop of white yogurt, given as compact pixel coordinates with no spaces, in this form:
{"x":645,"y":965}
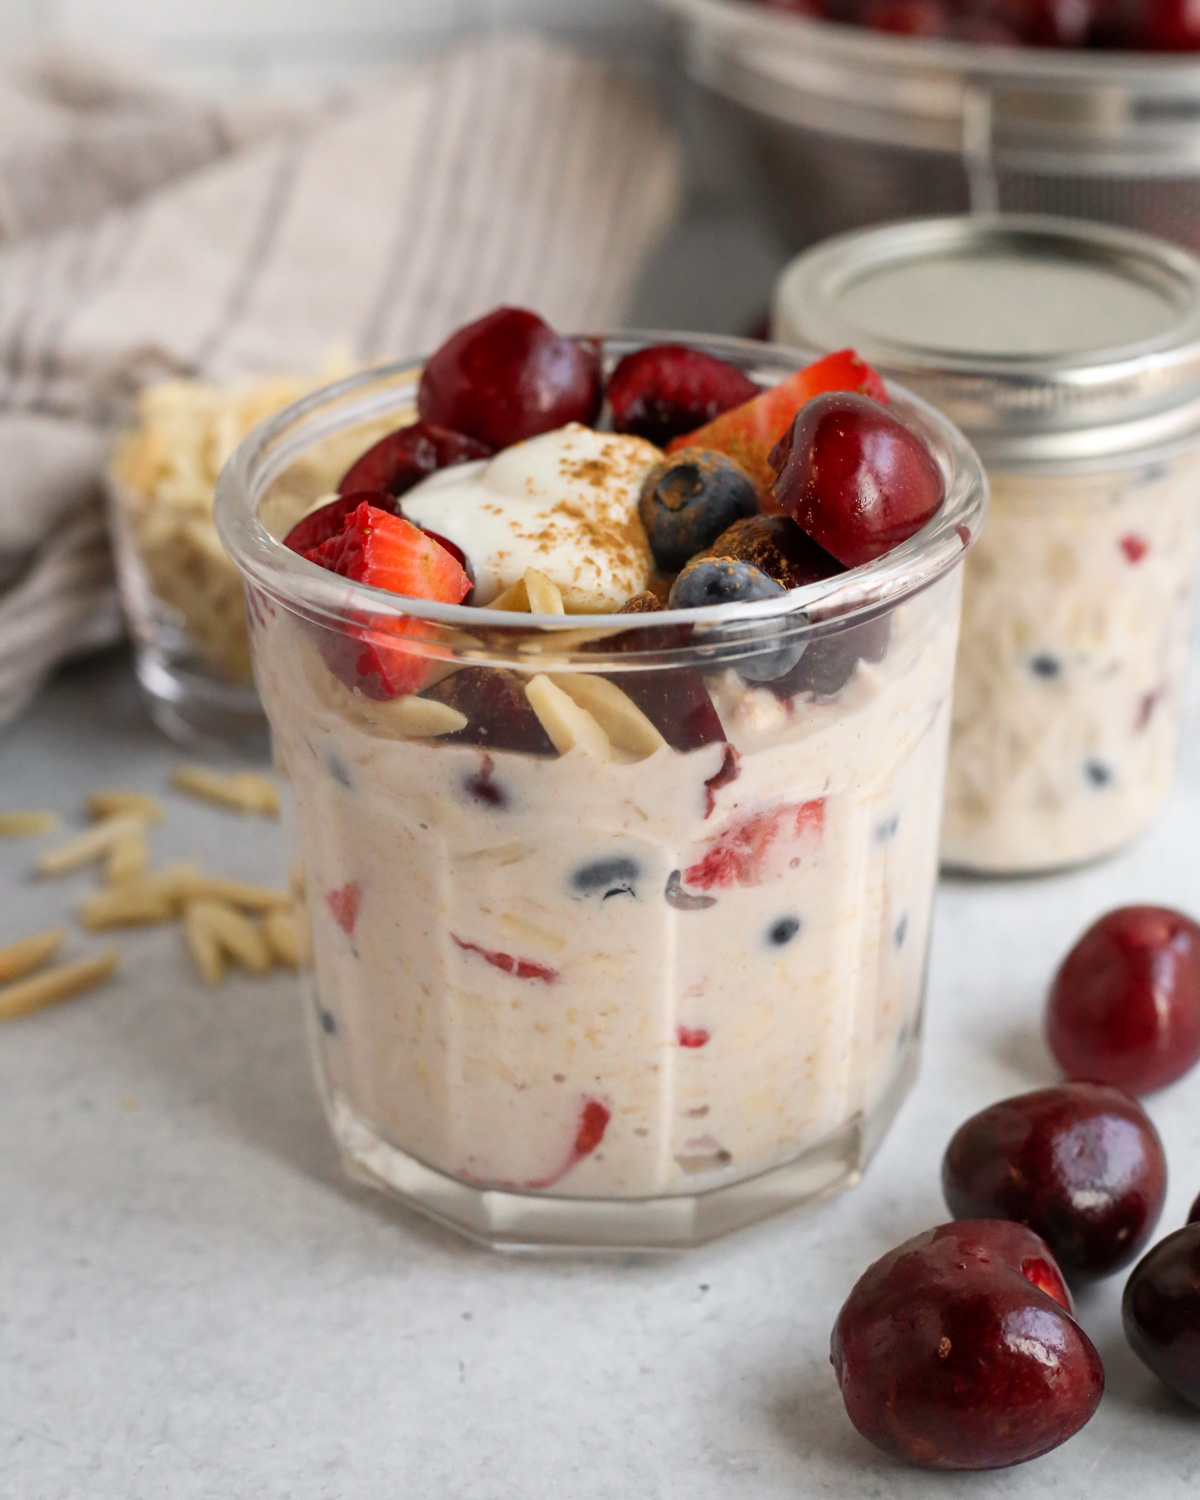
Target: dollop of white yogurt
{"x":564,"y":503}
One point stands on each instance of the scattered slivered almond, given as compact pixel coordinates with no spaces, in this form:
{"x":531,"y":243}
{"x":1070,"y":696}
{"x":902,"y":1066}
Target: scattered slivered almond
{"x":279,"y":929}
{"x":21,"y":958}
{"x":87,"y":847}
{"x":130,"y":904}
{"x":544,"y":595}
{"x":108,"y":804}
{"x":52,"y":985}
{"x":22,"y":824}
{"x":567,"y":724}
{"x":202,"y":944}
{"x":236,"y":935}
{"x":626,"y":726}
{"x":128,"y":859}
{"x":246,"y":792}
{"x":239,"y":894}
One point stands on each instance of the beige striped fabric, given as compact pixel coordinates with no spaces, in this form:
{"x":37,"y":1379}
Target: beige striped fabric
{"x":509,"y":170}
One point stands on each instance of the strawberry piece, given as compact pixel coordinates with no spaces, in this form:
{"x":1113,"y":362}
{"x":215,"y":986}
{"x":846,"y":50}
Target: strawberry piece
{"x":759,"y":847}
{"x":523,"y":968}
{"x":1134,"y":547}
{"x":593,"y":1122}
{"x":343,"y":906}
{"x":390,"y":553}
{"x":329,"y":520}
{"x":749,"y":432}
{"x":692,"y":1036}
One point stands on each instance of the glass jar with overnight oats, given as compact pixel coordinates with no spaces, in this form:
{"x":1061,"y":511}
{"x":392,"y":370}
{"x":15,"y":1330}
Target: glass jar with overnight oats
{"x":1069,"y":354}
{"x":619,"y":913}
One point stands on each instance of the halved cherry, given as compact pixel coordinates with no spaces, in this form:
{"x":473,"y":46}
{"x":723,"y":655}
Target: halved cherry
{"x":666,"y":390}
{"x":329,"y":520}
{"x":749,"y":432}
{"x":402,"y":459}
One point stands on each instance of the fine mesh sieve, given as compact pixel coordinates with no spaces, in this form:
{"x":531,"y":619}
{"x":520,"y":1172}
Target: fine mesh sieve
{"x":850,"y":127}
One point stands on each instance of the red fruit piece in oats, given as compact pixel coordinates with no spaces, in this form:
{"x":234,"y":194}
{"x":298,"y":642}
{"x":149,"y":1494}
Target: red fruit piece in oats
{"x":1134,"y":547}
{"x":692,"y":1036}
{"x":523,"y":968}
{"x":343,"y":906}
{"x":758,"y":848}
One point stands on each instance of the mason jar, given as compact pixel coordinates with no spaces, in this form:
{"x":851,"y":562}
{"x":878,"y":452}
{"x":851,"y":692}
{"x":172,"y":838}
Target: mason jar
{"x":619,"y":923}
{"x":1069,"y":354}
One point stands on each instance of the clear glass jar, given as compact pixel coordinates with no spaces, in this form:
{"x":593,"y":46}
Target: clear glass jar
{"x":578,"y":979}
{"x":1070,"y":355}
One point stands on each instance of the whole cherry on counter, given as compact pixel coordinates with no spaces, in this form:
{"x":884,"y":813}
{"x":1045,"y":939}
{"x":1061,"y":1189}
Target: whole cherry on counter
{"x":509,"y":377}
{"x":1080,"y":1164}
{"x":1161,"y":1311}
{"x":1124,"y":1007}
{"x":855,"y":477}
{"x":957,"y":1350}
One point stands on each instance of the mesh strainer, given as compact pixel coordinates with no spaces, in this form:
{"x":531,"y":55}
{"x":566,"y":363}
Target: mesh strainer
{"x":851,"y":127}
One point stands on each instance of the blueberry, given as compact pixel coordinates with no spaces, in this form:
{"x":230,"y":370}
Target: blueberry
{"x":1097,"y":772}
{"x":1045,"y":665}
{"x":688,"y":500}
{"x":615,"y":877}
{"x":329,"y":1023}
{"x":901,"y":931}
{"x":337,"y":769}
{"x":783,"y":931}
{"x":886,"y":831}
{"x":721,"y":580}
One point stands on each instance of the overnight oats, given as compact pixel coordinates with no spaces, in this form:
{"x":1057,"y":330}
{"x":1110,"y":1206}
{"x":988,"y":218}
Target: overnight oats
{"x":614,"y":692}
{"x":1070,"y":355}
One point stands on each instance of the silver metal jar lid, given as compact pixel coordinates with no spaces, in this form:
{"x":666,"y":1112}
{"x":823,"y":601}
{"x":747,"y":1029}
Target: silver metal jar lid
{"x":1050,"y":342}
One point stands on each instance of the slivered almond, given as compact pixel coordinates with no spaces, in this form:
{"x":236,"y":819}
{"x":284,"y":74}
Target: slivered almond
{"x":279,"y":929}
{"x":21,"y":958}
{"x":89,"y":846}
{"x":53,"y":985}
{"x":420,"y":718}
{"x":127,"y":905}
{"x":236,"y":935}
{"x":202,"y":944}
{"x":108,"y":804}
{"x":22,"y":824}
{"x":236,"y":893}
{"x":626,"y":726}
{"x":514,"y":599}
{"x":246,"y":791}
{"x":567,"y":724}
{"x":128,"y":859}
{"x":543,"y":593}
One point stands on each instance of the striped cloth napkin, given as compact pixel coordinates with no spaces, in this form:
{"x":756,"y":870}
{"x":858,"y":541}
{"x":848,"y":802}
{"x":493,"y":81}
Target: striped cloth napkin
{"x":144,"y":236}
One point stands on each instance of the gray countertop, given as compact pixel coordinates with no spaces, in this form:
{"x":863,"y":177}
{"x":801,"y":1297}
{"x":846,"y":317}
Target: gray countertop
{"x":195,"y":1302}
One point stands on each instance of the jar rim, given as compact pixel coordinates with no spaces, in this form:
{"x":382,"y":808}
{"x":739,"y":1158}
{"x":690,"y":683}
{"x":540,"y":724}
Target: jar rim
{"x":329,"y":599}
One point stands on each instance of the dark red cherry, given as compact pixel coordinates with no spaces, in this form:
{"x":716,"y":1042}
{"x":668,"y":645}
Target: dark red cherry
{"x":1124,"y":1007}
{"x":957,"y":1350}
{"x":674,"y":699}
{"x":1194,"y":1216}
{"x":1161,"y":1311}
{"x":829,"y":661}
{"x":499,"y":715}
{"x":1080,"y":1164}
{"x":1166,"y":26}
{"x":402,"y":459}
{"x":508,"y":377}
{"x":666,"y":390}
{"x":906,"y":17}
{"x":856,"y":478}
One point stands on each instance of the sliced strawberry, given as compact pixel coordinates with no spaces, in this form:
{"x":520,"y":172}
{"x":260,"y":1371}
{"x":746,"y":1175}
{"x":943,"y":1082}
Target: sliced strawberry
{"x":759,"y":848}
{"x":749,"y":432}
{"x":329,"y":520}
{"x":390,"y":553}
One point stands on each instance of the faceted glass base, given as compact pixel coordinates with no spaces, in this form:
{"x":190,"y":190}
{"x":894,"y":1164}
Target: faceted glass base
{"x":200,"y":711}
{"x":541,"y":1221}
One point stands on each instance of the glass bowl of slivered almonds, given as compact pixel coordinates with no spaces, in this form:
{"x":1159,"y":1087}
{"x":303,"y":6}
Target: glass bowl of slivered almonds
{"x":616,"y":794}
{"x":182,"y":595}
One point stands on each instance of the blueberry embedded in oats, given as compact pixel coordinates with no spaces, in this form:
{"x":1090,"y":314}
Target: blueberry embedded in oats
{"x":1098,"y":772}
{"x":339,"y":770}
{"x":483,"y":789}
{"x":682,"y":900}
{"x":901,"y":931}
{"x":885,"y":831}
{"x":781,"y":933}
{"x":328,"y":1021}
{"x":1046,"y":666}
{"x":617,"y":876}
